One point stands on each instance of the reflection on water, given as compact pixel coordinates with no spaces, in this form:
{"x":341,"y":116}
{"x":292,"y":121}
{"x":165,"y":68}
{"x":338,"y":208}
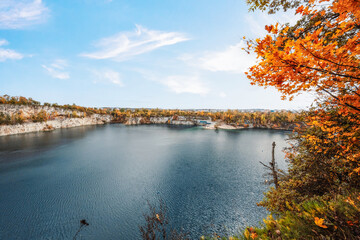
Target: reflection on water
{"x":209,"y":180}
{"x":23,"y":145}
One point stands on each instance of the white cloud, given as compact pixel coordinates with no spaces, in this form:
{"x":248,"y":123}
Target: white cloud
{"x":232,"y":59}
{"x":16,"y":14}
{"x":185,"y":84}
{"x":124,"y":45}
{"x":8,"y":53}
{"x":3,"y":42}
{"x":222,"y":94}
{"x":177,"y":83}
{"x":108,"y":76}
{"x":57,"y":69}
{"x":60,"y":64}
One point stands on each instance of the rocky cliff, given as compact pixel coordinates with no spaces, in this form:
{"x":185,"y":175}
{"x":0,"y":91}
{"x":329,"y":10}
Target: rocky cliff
{"x":161,"y":120}
{"x":58,"y":118}
{"x":16,"y":119}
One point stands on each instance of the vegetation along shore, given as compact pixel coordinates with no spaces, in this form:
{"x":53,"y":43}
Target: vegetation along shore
{"x":22,"y":115}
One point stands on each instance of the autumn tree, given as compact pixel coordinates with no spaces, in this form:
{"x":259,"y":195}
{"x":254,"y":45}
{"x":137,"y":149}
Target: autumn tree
{"x":318,"y":54}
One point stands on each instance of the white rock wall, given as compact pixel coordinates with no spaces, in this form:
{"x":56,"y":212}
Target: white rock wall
{"x":160,"y":120}
{"x":53,"y":124}
{"x":31,"y":110}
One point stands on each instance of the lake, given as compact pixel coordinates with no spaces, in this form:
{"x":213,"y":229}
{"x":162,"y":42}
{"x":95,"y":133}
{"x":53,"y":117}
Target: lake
{"x":210,"y":180}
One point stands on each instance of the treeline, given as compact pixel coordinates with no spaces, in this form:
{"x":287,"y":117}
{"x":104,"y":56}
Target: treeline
{"x":278,"y":119}
{"x":19,"y":118}
{"x":231,"y":117}
{"x":40,"y":116}
{"x":6,"y":99}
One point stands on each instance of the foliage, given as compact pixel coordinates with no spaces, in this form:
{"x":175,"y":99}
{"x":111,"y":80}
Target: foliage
{"x":268,"y":119}
{"x":157,"y":225}
{"x":5,"y":119}
{"x":320,"y":198}
{"x":337,"y":218}
{"x":320,"y":56}
{"x":74,"y":114}
{"x":318,"y":164}
{"x":6,"y":99}
{"x":278,"y":119}
{"x":41,"y":116}
{"x":272,"y":6}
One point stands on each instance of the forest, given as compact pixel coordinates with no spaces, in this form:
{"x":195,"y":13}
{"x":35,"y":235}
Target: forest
{"x":268,"y":119}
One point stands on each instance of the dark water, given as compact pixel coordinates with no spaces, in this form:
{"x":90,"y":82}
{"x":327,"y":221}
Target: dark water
{"x":209,"y":180}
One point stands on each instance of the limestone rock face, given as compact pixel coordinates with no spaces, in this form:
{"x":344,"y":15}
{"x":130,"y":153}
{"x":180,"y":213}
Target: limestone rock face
{"x":160,"y":120}
{"x":61,"y":121}
{"x":32,"y":110}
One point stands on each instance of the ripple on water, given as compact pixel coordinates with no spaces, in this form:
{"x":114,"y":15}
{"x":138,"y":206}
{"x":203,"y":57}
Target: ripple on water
{"x":209,"y":180}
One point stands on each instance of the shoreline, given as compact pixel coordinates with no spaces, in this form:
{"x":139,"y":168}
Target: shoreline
{"x":8,"y":130}
{"x":19,"y":119}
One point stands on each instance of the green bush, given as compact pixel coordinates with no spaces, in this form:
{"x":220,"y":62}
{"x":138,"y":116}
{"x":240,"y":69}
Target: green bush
{"x":5,"y":119}
{"x":337,"y":218}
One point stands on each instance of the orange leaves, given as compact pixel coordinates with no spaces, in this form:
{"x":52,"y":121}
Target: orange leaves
{"x":272,"y":28}
{"x":321,"y":54}
{"x":347,"y":7}
{"x":317,"y":58}
{"x":303,"y":10}
{"x":250,"y":233}
{"x":268,"y":28}
{"x":300,"y":9}
{"x":253,"y":235}
{"x":320,"y":222}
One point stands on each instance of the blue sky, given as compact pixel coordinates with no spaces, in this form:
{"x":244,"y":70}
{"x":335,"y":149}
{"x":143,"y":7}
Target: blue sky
{"x":132,"y":53}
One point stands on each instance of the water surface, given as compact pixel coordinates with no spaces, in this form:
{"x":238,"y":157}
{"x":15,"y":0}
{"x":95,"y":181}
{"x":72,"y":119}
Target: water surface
{"x":210,"y":180}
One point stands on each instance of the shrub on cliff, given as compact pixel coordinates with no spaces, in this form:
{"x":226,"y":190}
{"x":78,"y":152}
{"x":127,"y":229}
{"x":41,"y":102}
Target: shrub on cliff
{"x":41,"y":116}
{"x":5,"y":119}
{"x":74,"y":114}
{"x":18,"y":118}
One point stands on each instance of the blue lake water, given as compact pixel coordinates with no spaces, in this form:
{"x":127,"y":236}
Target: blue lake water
{"x":210,"y":180}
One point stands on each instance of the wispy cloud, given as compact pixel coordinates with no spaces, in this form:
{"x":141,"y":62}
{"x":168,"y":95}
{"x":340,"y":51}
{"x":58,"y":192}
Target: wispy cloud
{"x":185,"y":84}
{"x":3,"y":42}
{"x":16,"y":14}
{"x":57,"y":69}
{"x":6,"y":54}
{"x":231,"y":59}
{"x":124,"y":45}
{"x":190,"y":83}
{"x":109,"y":76}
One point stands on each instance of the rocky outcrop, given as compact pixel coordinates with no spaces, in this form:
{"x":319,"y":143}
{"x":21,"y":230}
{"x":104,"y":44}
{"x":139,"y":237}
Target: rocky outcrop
{"x":161,"y":120}
{"x":53,"y":124}
{"x":64,"y":118}
{"x":28,"y":111}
